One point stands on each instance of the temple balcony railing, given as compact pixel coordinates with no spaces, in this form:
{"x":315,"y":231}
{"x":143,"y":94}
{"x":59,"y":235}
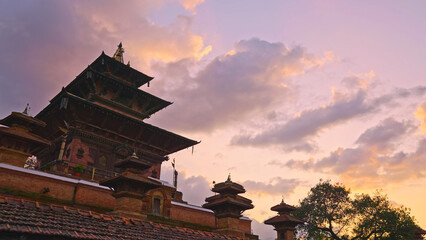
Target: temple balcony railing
{"x":77,"y":171}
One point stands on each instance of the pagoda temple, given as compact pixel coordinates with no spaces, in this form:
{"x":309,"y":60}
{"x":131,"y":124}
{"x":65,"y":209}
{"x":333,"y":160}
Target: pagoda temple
{"x":228,"y":206}
{"x":98,"y":119}
{"x":87,"y":166}
{"x":285,"y":224}
{"x":18,"y":140}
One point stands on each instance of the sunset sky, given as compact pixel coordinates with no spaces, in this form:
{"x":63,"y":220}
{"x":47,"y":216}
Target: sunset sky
{"x":281,"y":94}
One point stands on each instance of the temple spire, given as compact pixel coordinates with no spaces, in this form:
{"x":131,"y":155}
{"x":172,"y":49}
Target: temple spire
{"x":118,"y":55}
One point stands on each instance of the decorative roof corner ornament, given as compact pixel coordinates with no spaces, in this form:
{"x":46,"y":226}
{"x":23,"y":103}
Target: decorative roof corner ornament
{"x":27,"y":109}
{"x":134,"y":155}
{"x":118,"y":55}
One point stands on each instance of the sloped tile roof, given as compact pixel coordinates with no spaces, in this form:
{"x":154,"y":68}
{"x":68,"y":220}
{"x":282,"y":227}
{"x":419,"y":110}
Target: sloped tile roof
{"x":22,"y":216}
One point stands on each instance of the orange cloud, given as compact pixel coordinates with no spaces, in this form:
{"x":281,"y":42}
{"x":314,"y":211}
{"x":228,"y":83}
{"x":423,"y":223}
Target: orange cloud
{"x":421,"y":116}
{"x":374,"y":162}
{"x":190,"y":4}
{"x":252,"y":77}
{"x":143,"y":39}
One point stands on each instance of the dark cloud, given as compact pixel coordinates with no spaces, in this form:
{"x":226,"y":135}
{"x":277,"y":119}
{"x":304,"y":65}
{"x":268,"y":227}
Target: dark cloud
{"x":297,"y":133}
{"x":232,"y":87}
{"x":373,"y":162}
{"x":381,"y":136}
{"x":276,"y":186}
{"x":392,"y":99}
{"x":45,"y":44}
{"x":195,"y":189}
{"x":38,"y":43}
{"x":265,"y":232}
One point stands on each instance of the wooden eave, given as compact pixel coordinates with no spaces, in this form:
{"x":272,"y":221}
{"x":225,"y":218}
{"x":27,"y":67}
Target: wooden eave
{"x":132,"y":76}
{"x":240,"y":203}
{"x":228,"y":187}
{"x":25,"y":135}
{"x":22,"y":119}
{"x":282,"y":207}
{"x":155,"y":154}
{"x":156,"y":103}
{"x":130,"y":178}
{"x":133,"y":163}
{"x":169,"y":138}
{"x":283,"y":219}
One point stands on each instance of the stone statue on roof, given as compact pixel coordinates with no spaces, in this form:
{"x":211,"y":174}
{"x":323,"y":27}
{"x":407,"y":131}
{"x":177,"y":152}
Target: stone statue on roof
{"x":31,"y":163}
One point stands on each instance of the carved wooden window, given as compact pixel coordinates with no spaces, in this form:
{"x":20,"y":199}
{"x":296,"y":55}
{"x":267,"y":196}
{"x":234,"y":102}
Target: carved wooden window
{"x":157,"y":205}
{"x":80,"y":153}
{"x":102,"y":161}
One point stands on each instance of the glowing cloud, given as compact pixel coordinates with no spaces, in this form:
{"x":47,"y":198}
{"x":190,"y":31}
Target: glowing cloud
{"x":276,"y":186}
{"x":421,"y":116}
{"x":373,"y":163}
{"x":190,"y":4}
{"x":251,"y":78}
{"x":60,"y":31}
{"x":297,"y":134}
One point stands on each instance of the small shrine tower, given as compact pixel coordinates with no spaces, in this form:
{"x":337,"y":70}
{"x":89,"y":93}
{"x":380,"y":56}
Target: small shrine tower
{"x":284,"y":223}
{"x":17,"y":139}
{"x":131,"y":186}
{"x":228,"y":206}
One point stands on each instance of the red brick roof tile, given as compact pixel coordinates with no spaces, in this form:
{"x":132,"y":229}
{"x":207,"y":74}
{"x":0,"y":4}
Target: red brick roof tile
{"x":23,"y":216}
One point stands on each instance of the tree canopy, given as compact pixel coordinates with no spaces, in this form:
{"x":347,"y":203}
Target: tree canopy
{"x":331,"y":213}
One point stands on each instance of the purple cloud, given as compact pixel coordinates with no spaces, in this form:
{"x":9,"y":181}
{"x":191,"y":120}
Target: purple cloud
{"x":373,"y":162}
{"x":195,"y":189}
{"x":45,"y":44}
{"x":250,"y":79}
{"x":276,"y":186}
{"x":297,"y":133}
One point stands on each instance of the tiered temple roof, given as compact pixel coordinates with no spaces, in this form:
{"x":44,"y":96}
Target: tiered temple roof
{"x":227,"y":203}
{"x":92,"y":118}
{"x":105,"y":108}
{"x":88,"y":132}
{"x":284,"y":216}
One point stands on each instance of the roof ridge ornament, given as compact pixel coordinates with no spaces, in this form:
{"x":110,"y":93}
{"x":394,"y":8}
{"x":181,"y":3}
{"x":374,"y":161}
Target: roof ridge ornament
{"x":134,"y":155}
{"x":229,"y":178}
{"x":27,"y":109}
{"x":118,"y":55}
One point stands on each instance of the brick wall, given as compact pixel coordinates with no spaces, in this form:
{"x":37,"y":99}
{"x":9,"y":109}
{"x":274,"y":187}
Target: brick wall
{"x":192,"y":215}
{"x":88,"y":193}
{"x":61,"y":188}
{"x":245,"y":225}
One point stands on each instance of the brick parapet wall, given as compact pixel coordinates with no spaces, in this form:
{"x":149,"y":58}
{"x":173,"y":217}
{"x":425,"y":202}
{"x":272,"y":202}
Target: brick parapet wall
{"x":91,"y":194}
{"x":192,"y":214}
{"x":61,"y":188}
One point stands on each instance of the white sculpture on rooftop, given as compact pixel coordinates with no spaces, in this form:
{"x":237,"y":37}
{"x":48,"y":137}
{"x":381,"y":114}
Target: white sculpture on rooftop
{"x":31,"y":163}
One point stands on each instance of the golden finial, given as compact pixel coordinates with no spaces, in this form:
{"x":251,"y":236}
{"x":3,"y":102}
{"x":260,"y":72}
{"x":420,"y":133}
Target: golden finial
{"x":229,"y":178}
{"x":118,"y":55}
{"x":27,"y":109}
